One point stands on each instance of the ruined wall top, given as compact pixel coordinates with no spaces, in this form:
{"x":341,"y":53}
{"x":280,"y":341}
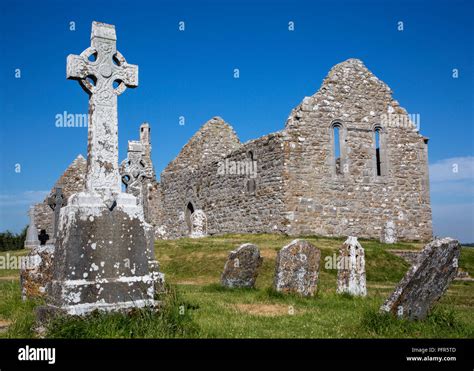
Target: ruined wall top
{"x":145,"y":137}
{"x":73,"y":179}
{"x":214,"y":140}
{"x":349,"y":92}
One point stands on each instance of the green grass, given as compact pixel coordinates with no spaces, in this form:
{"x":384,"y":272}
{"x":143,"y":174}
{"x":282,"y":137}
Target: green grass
{"x":197,"y":306}
{"x":172,"y":320}
{"x":12,"y":309}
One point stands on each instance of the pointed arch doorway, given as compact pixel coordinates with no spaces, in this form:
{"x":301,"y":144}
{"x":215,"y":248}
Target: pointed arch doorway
{"x":187,"y":216}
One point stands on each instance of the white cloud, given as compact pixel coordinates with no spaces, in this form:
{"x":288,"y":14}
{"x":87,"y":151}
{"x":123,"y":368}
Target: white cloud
{"x":14,"y":208}
{"x":454,"y":220}
{"x":22,"y":198}
{"x":452,"y":169}
{"x":452,"y":197}
{"x":447,"y":188}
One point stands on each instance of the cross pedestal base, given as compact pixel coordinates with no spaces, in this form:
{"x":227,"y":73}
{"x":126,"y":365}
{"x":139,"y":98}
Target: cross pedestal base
{"x":104,"y":257}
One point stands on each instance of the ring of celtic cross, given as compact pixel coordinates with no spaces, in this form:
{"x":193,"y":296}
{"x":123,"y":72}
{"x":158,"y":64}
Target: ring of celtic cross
{"x":104,"y":70}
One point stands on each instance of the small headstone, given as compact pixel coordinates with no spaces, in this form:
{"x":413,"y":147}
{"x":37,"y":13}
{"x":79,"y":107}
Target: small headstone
{"x":389,"y":233}
{"x":198,"y":224}
{"x":55,"y":203}
{"x":297,"y":268}
{"x":133,"y":170}
{"x":36,"y":272}
{"x":32,"y":233}
{"x":241,"y":268}
{"x":351,"y":268}
{"x":426,"y":281}
{"x":137,"y":170}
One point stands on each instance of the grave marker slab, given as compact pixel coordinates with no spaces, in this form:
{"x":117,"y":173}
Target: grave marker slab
{"x":241,"y":267}
{"x":351,"y":268}
{"x":32,"y":232}
{"x":36,"y":272}
{"x":426,"y":281}
{"x":55,"y":203}
{"x":297,"y":268}
{"x":198,"y":224}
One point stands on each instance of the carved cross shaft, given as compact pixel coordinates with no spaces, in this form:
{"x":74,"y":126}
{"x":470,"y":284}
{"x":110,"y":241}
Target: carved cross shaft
{"x":55,"y":203}
{"x":98,"y":77}
{"x":133,"y":170}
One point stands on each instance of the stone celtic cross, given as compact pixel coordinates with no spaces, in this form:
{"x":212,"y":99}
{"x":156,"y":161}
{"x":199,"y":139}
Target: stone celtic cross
{"x":133,"y":170}
{"x":55,"y":203}
{"x":32,"y":233}
{"x":104,"y":74}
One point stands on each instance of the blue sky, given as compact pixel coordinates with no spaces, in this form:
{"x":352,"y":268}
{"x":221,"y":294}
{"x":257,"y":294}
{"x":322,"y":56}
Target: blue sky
{"x":190,"y":74}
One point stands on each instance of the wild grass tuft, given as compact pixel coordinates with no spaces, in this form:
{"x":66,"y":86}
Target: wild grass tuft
{"x":172,"y":320}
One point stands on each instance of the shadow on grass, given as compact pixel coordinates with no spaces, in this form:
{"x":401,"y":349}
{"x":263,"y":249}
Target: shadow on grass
{"x":440,"y":322}
{"x":216,"y":287}
{"x":172,"y":320}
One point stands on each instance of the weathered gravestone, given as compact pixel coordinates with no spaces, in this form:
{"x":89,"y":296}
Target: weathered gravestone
{"x":32,"y":232}
{"x":133,"y":171}
{"x":241,"y":267}
{"x":198,"y":224}
{"x":351,"y":268}
{"x":389,"y":233}
{"x":297,"y":268}
{"x":55,"y":202}
{"x":426,"y":281}
{"x":104,"y":248}
{"x":36,"y":272}
{"x":137,"y":170}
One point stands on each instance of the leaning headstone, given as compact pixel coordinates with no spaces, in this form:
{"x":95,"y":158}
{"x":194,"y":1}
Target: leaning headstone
{"x":389,"y":233}
{"x":426,"y":281}
{"x":32,"y":233}
{"x":297,"y":268}
{"x":241,"y":267}
{"x":36,"y":272}
{"x":351,"y":268}
{"x":198,"y":224}
{"x":104,"y":255}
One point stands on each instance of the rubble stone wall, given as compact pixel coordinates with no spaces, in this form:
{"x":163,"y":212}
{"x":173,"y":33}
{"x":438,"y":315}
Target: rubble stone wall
{"x":357,"y":201}
{"x":233,"y":203}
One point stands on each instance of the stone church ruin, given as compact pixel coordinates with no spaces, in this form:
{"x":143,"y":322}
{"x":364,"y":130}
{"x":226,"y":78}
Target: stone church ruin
{"x":349,"y":161}
{"x":339,"y":167}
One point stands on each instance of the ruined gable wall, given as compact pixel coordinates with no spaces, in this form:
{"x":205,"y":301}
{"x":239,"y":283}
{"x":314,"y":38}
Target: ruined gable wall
{"x":358,"y":203}
{"x":212,"y":141}
{"x":72,"y":181}
{"x":226,"y":200}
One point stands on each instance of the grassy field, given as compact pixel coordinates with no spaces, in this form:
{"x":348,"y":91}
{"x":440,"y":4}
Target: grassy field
{"x":197,"y":306}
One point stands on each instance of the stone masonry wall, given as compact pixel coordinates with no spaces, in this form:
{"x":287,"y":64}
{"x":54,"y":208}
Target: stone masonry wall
{"x":298,"y":188}
{"x":356,"y":202}
{"x":155,"y":208}
{"x":72,"y":181}
{"x":233,"y":203}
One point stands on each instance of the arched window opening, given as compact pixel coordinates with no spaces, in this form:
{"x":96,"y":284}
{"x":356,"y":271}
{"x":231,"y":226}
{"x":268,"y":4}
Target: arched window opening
{"x":378,"y":162}
{"x":251,"y":166}
{"x":337,"y":148}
